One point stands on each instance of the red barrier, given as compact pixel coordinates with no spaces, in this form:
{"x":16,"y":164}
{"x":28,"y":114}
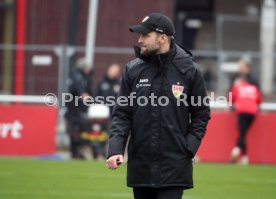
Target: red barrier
{"x":222,"y":133}
{"x":27,"y":129}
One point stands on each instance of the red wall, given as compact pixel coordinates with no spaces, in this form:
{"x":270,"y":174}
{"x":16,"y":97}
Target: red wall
{"x":222,"y":133}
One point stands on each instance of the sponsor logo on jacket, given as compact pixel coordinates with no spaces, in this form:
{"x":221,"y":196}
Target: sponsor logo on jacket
{"x":143,"y":83}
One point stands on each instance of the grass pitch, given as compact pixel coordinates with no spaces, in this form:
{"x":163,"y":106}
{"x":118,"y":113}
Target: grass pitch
{"x":41,"y":179}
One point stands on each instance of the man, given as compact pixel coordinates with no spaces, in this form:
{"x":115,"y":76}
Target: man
{"x":80,"y":86}
{"x":110,"y":83}
{"x":163,"y":139}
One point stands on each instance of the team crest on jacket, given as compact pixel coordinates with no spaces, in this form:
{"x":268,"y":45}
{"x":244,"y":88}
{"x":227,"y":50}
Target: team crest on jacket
{"x":177,"y":90}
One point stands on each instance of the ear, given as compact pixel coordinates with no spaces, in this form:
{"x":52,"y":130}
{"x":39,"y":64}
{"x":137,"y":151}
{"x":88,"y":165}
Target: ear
{"x":163,"y":38}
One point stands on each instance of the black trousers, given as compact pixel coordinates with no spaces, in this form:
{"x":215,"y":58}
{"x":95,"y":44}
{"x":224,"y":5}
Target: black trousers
{"x":158,"y":193}
{"x":245,"y":120}
{"x":73,"y":130}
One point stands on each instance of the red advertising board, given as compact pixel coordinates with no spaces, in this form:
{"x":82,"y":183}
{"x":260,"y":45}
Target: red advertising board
{"x":30,"y":130}
{"x":222,"y":133}
{"x":27,"y":129}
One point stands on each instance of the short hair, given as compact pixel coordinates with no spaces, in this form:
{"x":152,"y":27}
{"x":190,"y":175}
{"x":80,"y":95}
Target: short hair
{"x":81,"y":63}
{"x":246,"y":58}
{"x":170,"y":38}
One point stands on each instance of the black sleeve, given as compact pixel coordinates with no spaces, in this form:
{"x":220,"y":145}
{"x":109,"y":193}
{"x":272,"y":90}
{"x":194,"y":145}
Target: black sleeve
{"x":121,"y":119}
{"x":90,"y":83}
{"x":77,"y":85}
{"x":99,"y":89}
{"x":199,"y":113}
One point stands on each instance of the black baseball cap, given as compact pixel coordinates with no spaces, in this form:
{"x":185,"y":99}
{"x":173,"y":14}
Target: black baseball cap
{"x":154,"y":22}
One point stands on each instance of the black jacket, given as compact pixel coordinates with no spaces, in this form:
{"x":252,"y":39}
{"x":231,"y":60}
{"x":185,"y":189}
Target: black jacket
{"x":108,"y":88}
{"x":78,"y":83}
{"x":163,"y":139}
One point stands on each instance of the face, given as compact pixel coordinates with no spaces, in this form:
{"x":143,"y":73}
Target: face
{"x":86,"y":69}
{"x":114,"y":71}
{"x":149,"y":43}
{"x":243,"y":68}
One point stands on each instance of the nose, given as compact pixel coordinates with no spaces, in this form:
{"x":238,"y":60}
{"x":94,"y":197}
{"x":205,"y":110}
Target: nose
{"x":140,"y":40}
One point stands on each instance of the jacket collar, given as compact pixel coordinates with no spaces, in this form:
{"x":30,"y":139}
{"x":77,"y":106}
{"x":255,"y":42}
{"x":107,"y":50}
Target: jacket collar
{"x":179,"y":56}
{"x":183,"y":59}
{"x":159,"y":59}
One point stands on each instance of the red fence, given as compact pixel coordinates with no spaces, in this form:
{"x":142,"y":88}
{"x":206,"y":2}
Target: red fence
{"x":222,"y":133}
{"x":27,"y":129}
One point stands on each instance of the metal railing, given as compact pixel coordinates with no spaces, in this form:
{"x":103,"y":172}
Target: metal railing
{"x":44,"y":99}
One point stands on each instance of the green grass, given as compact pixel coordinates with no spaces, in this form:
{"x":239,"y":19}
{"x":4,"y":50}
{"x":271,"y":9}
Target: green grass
{"x":39,"y":179}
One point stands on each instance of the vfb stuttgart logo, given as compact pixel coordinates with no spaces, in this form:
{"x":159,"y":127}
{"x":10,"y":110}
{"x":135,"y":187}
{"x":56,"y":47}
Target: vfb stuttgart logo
{"x":177,"y":90}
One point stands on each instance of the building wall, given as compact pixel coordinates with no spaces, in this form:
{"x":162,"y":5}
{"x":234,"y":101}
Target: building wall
{"x":236,"y":6}
{"x":240,"y":35}
{"x":48,"y":24}
{"x":114,"y":20}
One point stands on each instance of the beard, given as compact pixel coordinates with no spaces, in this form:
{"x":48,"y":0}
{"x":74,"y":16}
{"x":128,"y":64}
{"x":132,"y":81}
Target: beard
{"x":146,"y":52}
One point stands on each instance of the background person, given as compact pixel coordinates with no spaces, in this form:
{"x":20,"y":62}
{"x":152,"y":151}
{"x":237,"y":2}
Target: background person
{"x":246,"y":97}
{"x":109,"y":85}
{"x":163,"y":139}
{"x":79,"y":85}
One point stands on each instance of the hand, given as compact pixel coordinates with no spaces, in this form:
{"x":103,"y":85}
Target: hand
{"x":114,"y":162}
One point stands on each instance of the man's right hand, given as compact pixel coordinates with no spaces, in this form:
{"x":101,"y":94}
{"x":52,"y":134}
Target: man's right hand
{"x":114,"y":162}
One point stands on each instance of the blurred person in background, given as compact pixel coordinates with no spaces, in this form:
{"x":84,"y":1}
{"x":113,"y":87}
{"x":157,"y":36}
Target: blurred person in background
{"x":109,"y":85}
{"x":79,"y":85}
{"x":163,"y":138}
{"x":246,"y":98}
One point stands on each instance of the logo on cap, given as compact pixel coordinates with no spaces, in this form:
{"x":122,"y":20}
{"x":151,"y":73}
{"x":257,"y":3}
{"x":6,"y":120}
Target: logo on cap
{"x":159,"y":30}
{"x":145,"y":19}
